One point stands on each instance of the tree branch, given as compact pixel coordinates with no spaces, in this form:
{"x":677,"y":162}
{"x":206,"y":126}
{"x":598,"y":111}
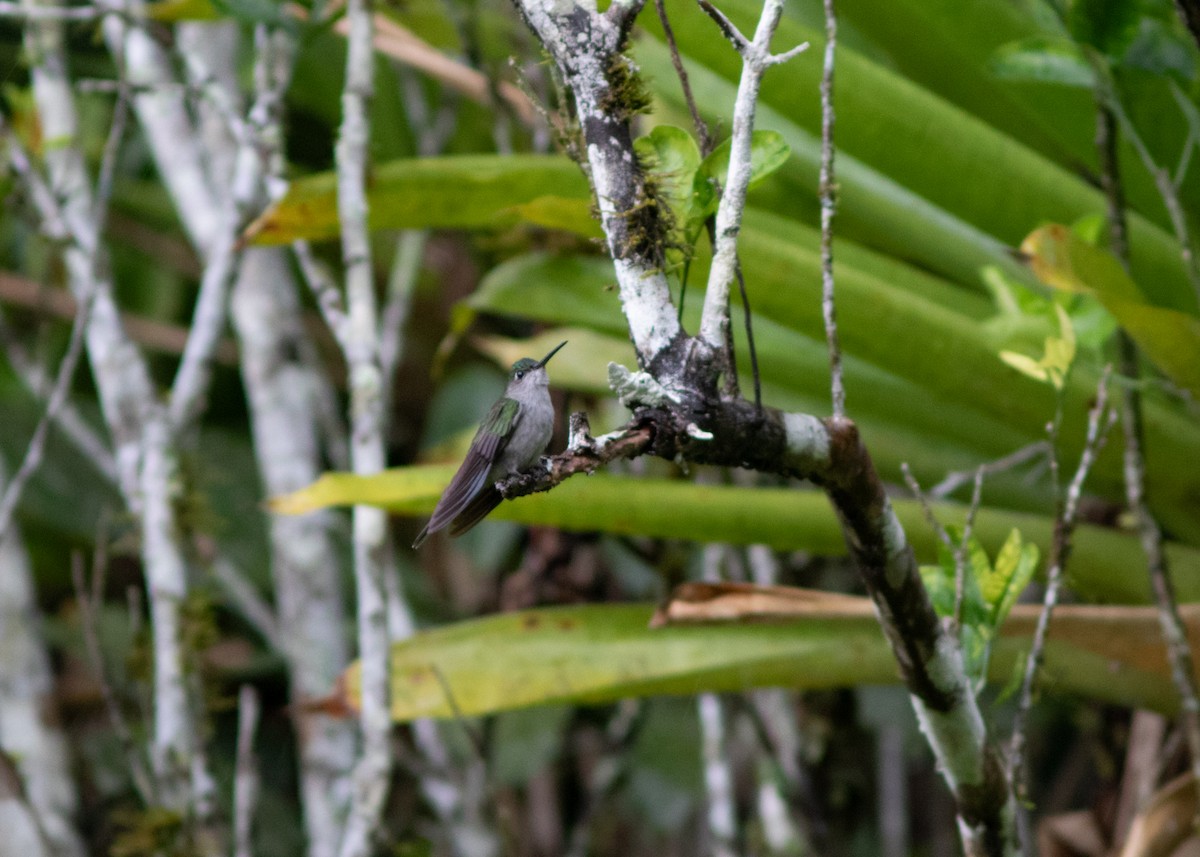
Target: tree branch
{"x":137,"y":423}
{"x":678,"y":414}
{"x":828,"y":193}
{"x":1100,"y":421}
{"x":831,"y":454}
{"x":586,"y":47}
{"x":1174,"y":632}
{"x":361,"y":347}
{"x":757,"y":58}
{"x":33,"y":740}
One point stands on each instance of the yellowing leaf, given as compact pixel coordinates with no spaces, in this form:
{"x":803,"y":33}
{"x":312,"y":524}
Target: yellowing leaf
{"x":413,"y":489}
{"x":1025,"y":365}
{"x":1063,"y":260}
{"x":170,"y":11}
{"x":599,"y":653}
{"x":1169,"y":337}
{"x":452,"y":191}
{"x":582,"y":365}
{"x":568,"y":214}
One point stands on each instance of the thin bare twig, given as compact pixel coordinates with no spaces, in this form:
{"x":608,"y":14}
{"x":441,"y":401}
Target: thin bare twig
{"x":963,"y":547}
{"x":1101,"y":419}
{"x":757,"y":58}
{"x":953,"y":481}
{"x":246,"y":779}
{"x":328,"y":296}
{"x":828,"y":191}
{"x":926,"y":509}
{"x":706,"y":141}
{"x":1108,"y":116}
{"x":59,"y":390}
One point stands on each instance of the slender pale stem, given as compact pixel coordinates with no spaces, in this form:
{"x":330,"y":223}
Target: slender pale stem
{"x":756,"y":58}
{"x":1100,"y":420}
{"x":828,"y":193}
{"x":361,"y":348}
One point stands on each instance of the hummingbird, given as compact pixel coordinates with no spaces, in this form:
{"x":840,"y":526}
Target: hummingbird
{"x":510,"y":438}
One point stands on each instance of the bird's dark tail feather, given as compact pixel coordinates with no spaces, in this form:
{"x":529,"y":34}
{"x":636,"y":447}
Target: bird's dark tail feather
{"x":474,"y":512}
{"x":483,"y":503}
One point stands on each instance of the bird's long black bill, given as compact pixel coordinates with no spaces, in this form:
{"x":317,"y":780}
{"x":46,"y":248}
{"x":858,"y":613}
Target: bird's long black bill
{"x":546,"y":359}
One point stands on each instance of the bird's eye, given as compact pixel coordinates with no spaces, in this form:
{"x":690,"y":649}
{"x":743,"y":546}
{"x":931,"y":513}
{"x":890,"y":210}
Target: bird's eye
{"x":520,"y":375}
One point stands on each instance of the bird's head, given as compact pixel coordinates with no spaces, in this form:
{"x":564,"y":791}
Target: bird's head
{"x":528,"y":373}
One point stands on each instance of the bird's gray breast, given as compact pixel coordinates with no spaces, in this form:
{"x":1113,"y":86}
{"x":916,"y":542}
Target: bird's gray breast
{"x":535,"y":425}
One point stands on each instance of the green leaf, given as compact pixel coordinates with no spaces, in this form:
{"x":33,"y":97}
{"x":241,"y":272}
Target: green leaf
{"x":1107,"y":25}
{"x":1162,"y":50}
{"x":768,"y":152}
{"x":989,"y":591}
{"x":1063,"y":260}
{"x":940,"y":587}
{"x":401,"y":489}
{"x":1025,"y":365}
{"x":782,"y":519}
{"x":976,"y":567}
{"x":1012,"y":572}
{"x":599,"y":653}
{"x":170,"y":11}
{"x":558,"y":212}
{"x":460,"y":191}
{"x":1041,"y":60}
{"x":555,"y":289}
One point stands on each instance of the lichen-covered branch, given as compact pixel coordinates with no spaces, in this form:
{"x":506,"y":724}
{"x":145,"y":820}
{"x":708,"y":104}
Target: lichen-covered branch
{"x":587,"y":46}
{"x":281,"y":390}
{"x":831,"y":454}
{"x":679,"y":414}
{"x":361,"y":348}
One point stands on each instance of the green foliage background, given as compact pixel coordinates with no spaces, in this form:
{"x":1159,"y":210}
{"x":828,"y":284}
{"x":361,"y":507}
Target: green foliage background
{"x":960,"y":131}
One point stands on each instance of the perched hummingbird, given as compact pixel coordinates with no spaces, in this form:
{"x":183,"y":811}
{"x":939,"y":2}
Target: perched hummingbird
{"x":510,"y":438}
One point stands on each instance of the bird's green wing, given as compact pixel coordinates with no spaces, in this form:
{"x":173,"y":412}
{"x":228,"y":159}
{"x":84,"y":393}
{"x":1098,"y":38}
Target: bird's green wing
{"x":489,"y":442}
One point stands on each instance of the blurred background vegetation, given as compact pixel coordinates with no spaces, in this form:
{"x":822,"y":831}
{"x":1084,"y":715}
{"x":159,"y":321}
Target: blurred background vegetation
{"x":962,"y":127}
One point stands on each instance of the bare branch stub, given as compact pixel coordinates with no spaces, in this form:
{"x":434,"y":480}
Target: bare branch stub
{"x":740,"y":43}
